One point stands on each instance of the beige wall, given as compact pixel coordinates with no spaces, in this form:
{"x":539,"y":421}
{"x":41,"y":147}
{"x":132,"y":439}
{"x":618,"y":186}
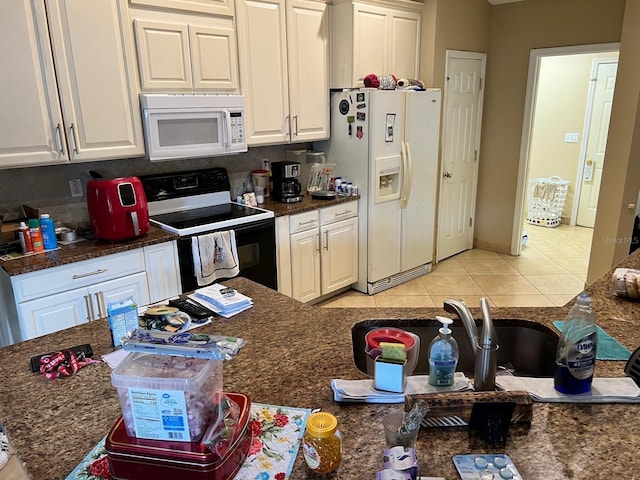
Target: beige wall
{"x":451,"y":25}
{"x":516,"y":29}
{"x":621,"y":175}
{"x":560,"y":107}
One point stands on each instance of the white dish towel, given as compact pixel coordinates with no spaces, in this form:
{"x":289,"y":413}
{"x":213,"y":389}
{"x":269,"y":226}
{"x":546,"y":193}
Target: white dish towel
{"x":603,"y":390}
{"x":214,"y":256}
{"x":363,"y":390}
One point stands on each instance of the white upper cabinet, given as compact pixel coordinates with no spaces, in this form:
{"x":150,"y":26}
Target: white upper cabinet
{"x":283,"y":47}
{"x":32,"y":130}
{"x":71,"y":92}
{"x":96,"y":78}
{"x":217,"y":7}
{"x":185,"y":53}
{"x":378,"y":37}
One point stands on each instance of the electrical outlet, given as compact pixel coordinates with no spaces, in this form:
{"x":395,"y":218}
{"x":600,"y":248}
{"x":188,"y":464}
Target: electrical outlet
{"x":76,"y":187}
{"x":265,"y":164}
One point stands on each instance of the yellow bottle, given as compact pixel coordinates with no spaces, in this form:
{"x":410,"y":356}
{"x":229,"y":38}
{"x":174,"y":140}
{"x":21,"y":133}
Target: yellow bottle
{"x":322,"y":443}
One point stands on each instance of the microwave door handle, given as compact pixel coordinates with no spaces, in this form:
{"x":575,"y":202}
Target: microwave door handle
{"x":227,"y":127}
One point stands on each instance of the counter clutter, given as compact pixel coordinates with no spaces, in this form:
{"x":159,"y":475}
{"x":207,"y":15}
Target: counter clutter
{"x":290,"y":359}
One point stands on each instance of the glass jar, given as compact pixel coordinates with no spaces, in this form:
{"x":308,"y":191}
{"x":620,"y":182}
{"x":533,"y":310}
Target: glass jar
{"x":322,"y":443}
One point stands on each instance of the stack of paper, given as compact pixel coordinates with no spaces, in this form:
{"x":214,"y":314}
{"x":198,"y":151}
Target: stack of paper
{"x":225,"y":306}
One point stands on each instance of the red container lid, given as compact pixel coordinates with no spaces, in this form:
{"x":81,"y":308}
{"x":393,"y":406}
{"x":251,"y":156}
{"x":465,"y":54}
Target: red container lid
{"x":392,"y":335}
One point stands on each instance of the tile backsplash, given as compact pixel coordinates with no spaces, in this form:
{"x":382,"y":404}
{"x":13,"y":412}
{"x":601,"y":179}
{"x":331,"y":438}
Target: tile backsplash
{"x":47,"y":188}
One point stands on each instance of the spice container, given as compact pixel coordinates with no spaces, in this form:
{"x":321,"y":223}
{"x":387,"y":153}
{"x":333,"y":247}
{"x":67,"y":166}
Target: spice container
{"x":322,"y":443}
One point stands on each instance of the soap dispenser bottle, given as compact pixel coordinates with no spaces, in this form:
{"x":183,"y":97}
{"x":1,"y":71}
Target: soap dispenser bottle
{"x":443,"y":356}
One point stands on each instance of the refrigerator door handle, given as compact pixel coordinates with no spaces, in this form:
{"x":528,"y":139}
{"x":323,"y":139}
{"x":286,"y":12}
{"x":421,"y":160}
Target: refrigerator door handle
{"x":405,"y":175}
{"x":409,"y":174}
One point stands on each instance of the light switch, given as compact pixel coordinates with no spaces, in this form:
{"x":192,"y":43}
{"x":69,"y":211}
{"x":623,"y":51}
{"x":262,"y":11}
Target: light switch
{"x":570,"y":137}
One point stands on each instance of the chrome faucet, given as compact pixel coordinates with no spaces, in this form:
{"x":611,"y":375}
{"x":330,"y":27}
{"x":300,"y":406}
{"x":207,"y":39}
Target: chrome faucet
{"x":485,"y":347}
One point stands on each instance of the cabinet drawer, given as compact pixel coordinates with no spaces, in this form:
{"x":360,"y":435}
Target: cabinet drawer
{"x":303,"y":221}
{"x":80,"y":274}
{"x":338,"y":212}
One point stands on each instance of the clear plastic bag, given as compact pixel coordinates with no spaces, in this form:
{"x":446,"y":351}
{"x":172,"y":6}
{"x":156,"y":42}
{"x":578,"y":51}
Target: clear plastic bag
{"x":224,"y":426}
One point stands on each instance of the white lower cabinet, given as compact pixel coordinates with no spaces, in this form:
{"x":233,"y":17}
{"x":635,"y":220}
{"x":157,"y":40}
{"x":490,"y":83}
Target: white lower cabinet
{"x":323,"y":251}
{"x":61,"y":297}
{"x":67,"y":309}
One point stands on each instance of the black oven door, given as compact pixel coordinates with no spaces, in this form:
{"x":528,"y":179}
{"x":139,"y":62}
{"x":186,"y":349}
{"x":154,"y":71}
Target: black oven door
{"x":256,"y":246}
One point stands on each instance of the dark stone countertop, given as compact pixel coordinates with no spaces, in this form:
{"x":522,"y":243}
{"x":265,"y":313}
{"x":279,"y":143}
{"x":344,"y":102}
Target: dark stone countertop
{"x":293,"y":352}
{"x":308,"y":203}
{"x":84,"y":250}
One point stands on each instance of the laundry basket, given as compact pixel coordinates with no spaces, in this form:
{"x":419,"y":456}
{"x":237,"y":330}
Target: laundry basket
{"x":546,"y":197}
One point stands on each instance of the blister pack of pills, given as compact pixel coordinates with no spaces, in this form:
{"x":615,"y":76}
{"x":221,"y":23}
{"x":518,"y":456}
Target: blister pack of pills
{"x":486,"y":467}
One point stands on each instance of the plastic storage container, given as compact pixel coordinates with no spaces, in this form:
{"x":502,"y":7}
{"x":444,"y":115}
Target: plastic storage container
{"x":166,"y":397}
{"x":576,"y":357}
{"x":140,"y":459}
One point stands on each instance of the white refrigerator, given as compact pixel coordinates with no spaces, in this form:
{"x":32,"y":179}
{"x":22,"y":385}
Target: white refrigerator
{"x":386,"y":142}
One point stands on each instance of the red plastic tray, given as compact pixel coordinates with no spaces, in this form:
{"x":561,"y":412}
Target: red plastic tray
{"x":132,"y":458}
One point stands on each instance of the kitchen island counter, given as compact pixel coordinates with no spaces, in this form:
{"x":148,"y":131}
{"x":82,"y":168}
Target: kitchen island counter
{"x":293,"y":352}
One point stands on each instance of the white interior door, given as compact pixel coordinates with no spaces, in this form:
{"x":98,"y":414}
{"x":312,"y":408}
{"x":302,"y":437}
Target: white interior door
{"x":461,"y":142}
{"x":598,"y":129}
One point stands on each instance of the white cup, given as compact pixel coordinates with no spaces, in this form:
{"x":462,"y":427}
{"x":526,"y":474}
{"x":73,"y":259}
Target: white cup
{"x":259,"y":194}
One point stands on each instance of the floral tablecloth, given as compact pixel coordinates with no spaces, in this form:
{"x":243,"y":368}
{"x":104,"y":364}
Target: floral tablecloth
{"x":276,"y":438}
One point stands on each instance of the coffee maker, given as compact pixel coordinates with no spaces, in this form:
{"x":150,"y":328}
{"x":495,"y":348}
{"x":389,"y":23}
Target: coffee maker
{"x":286,"y":187}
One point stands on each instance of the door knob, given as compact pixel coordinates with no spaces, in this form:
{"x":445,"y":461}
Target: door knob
{"x":447,"y":175}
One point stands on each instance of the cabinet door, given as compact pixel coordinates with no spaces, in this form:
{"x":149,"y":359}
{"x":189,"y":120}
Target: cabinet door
{"x":97,"y":79}
{"x":370,"y":42}
{"x":404,"y":44}
{"x":163,"y":56}
{"x":308,"y":63}
{"x":32,"y":129}
{"x":53,"y":313}
{"x":262,"y":47}
{"x":218,"y":7}
{"x":134,"y":286}
{"x":214,"y":58}
{"x":339,"y":254}
{"x":305,"y":265}
{"x":162,"y":269}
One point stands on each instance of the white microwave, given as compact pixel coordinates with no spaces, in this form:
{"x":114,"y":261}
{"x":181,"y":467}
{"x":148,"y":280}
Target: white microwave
{"x":188,"y":125}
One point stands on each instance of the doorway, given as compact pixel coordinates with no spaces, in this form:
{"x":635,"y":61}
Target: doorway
{"x":565,"y":122}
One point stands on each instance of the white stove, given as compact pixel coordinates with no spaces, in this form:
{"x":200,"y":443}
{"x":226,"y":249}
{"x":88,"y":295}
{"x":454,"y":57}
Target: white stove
{"x":199,"y":202}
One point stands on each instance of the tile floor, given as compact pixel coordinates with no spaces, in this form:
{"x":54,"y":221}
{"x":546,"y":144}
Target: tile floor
{"x":551,"y":271}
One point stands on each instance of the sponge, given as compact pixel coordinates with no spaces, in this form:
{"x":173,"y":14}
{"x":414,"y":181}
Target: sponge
{"x":396,"y":352}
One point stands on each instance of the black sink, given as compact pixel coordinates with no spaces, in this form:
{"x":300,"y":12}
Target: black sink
{"x":527,"y":347}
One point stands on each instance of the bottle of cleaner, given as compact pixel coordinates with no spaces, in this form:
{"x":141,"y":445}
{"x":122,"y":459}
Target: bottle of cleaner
{"x":25,"y":238}
{"x":48,"y":232}
{"x":36,"y":235}
{"x":443,"y":356}
{"x":576,"y":357}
